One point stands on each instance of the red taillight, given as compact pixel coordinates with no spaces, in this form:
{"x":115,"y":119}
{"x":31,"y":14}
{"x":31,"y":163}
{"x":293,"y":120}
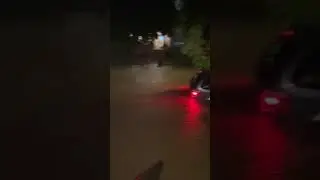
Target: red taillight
{"x":274,"y":102}
{"x":271,"y":101}
{"x":194,"y":93}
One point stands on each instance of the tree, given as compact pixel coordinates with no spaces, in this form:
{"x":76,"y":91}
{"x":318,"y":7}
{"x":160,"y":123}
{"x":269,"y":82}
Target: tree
{"x":196,"y":47}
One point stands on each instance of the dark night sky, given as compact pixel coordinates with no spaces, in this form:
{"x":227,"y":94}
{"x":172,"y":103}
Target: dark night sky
{"x":126,"y":15}
{"x":141,"y":15}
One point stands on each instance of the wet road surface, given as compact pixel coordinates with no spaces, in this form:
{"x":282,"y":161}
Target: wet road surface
{"x":154,"y":118}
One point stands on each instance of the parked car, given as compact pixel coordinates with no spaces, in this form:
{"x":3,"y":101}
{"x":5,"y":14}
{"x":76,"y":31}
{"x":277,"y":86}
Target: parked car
{"x":289,"y":75}
{"x":200,"y":84}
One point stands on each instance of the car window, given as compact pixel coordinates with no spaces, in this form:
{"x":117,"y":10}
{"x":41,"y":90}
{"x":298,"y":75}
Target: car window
{"x":307,"y":74}
{"x":273,"y":61}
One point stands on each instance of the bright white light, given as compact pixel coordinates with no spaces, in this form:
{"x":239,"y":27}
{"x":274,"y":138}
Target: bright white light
{"x":271,"y":101}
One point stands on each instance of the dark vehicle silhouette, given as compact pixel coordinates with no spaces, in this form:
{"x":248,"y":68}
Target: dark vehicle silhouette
{"x":200,"y":84}
{"x":289,"y":77}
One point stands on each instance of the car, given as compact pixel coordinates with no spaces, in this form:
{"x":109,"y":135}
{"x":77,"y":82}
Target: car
{"x":200,"y":84}
{"x":288,"y":76}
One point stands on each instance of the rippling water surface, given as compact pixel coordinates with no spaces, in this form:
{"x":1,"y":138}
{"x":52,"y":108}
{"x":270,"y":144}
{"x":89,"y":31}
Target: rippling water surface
{"x":154,"y":118}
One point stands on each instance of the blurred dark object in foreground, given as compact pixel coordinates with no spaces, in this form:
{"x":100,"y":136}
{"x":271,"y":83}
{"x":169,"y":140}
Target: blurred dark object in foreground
{"x":152,"y":173}
{"x":54,"y":75}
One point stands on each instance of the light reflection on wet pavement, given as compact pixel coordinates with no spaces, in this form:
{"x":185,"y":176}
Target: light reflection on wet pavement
{"x":151,"y":122}
{"x":250,"y":146}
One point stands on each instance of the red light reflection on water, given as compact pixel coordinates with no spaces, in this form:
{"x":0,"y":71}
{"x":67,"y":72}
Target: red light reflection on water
{"x":191,"y":112}
{"x":177,"y":88}
{"x":270,"y":148}
{"x":192,"y":122}
{"x":266,"y":148}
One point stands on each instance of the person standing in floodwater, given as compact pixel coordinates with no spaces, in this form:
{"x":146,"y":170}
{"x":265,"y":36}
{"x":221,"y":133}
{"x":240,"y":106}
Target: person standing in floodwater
{"x":158,"y":49}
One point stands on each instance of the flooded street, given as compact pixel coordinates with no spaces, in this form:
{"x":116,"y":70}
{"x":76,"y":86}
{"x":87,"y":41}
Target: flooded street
{"x":154,"y":118}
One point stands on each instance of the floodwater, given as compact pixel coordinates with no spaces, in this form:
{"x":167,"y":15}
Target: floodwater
{"x":154,"y":118}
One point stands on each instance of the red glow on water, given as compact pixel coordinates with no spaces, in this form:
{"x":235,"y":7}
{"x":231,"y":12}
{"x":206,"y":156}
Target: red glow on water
{"x":193,"y":108}
{"x":192,"y":121}
{"x":263,"y":148}
{"x":270,"y":147}
{"x":182,"y":88}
